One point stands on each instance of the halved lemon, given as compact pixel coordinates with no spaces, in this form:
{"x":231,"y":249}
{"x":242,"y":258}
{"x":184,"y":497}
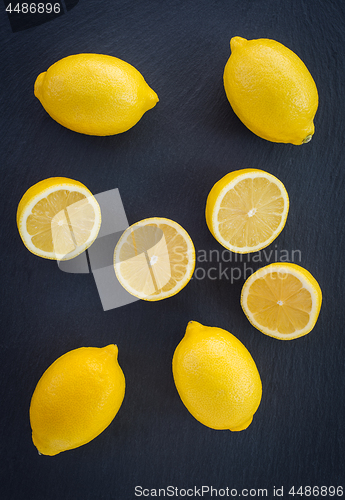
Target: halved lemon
{"x":246,"y":210}
{"x":282,"y":300}
{"x":154,"y":258}
{"x":58,"y":218}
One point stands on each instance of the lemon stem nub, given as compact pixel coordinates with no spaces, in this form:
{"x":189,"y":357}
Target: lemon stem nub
{"x":307,"y":139}
{"x":237,"y":41}
{"x":38,"y":84}
{"x":243,"y":426}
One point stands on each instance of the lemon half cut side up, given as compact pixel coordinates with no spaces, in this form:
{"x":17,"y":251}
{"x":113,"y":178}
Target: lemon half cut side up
{"x":58,"y":218}
{"x":247,"y":209}
{"x":154,"y":258}
{"x":282,"y":300}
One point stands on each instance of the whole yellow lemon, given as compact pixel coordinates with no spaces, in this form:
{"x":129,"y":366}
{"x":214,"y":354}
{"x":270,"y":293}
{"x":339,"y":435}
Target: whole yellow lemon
{"x":271,"y":90}
{"x":216,"y":378}
{"x":76,"y":398}
{"x":94,"y":94}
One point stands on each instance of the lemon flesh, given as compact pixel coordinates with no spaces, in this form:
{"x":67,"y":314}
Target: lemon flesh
{"x":282,"y":300}
{"x":271,"y":90}
{"x":154,"y":258}
{"x":246,"y":210}
{"x":58,"y":218}
{"x":76,"y":398}
{"x":94,"y":94}
{"x":216,"y":378}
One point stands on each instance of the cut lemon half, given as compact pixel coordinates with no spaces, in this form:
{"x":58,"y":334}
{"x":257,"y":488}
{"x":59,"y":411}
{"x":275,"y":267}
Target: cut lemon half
{"x":246,"y":210}
{"x":154,"y":258}
{"x":282,"y":300}
{"x":58,"y":218}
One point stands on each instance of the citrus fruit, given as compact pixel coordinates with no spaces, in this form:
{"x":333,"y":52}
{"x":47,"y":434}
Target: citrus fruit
{"x":216,"y":378}
{"x":282,"y":300}
{"x":58,"y":218}
{"x":76,"y":398}
{"x":271,"y":90}
{"x":94,"y":94}
{"x":154,"y":258}
{"x":246,"y":210}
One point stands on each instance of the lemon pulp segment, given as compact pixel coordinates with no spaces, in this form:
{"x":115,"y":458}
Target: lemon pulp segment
{"x":154,"y":258}
{"x":282,"y":300}
{"x":58,"y":218}
{"x":247,"y":209}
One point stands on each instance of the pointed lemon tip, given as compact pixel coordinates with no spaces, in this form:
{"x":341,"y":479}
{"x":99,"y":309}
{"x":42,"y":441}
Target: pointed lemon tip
{"x":41,"y":447}
{"x":151,"y":99}
{"x":243,"y":426}
{"x":38,"y":84}
{"x":192,"y":326}
{"x":305,"y":135}
{"x":237,"y":41}
{"x":307,"y":139}
{"x":112,"y":349}
{"x":309,"y":132}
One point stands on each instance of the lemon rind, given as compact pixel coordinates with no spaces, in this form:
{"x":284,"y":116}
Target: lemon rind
{"x":27,"y":209}
{"x":190,"y":267}
{"x":223,"y":192}
{"x":308,"y":282}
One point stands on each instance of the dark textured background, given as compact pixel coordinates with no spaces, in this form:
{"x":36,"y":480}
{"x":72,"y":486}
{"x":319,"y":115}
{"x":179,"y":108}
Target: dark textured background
{"x":165,"y":166}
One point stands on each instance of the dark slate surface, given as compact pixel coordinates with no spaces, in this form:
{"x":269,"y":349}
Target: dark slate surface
{"x":165,"y":166}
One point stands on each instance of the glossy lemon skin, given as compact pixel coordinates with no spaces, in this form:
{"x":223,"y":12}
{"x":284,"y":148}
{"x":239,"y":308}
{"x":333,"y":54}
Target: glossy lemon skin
{"x":216,"y":378}
{"x":271,"y":90}
{"x":76,"y":398}
{"x":94,"y":94}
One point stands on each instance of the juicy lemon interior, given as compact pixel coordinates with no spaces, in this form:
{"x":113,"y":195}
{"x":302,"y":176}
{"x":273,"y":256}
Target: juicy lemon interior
{"x":154,"y":260}
{"x":251,"y":212}
{"x":279,"y":301}
{"x":61,"y":222}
